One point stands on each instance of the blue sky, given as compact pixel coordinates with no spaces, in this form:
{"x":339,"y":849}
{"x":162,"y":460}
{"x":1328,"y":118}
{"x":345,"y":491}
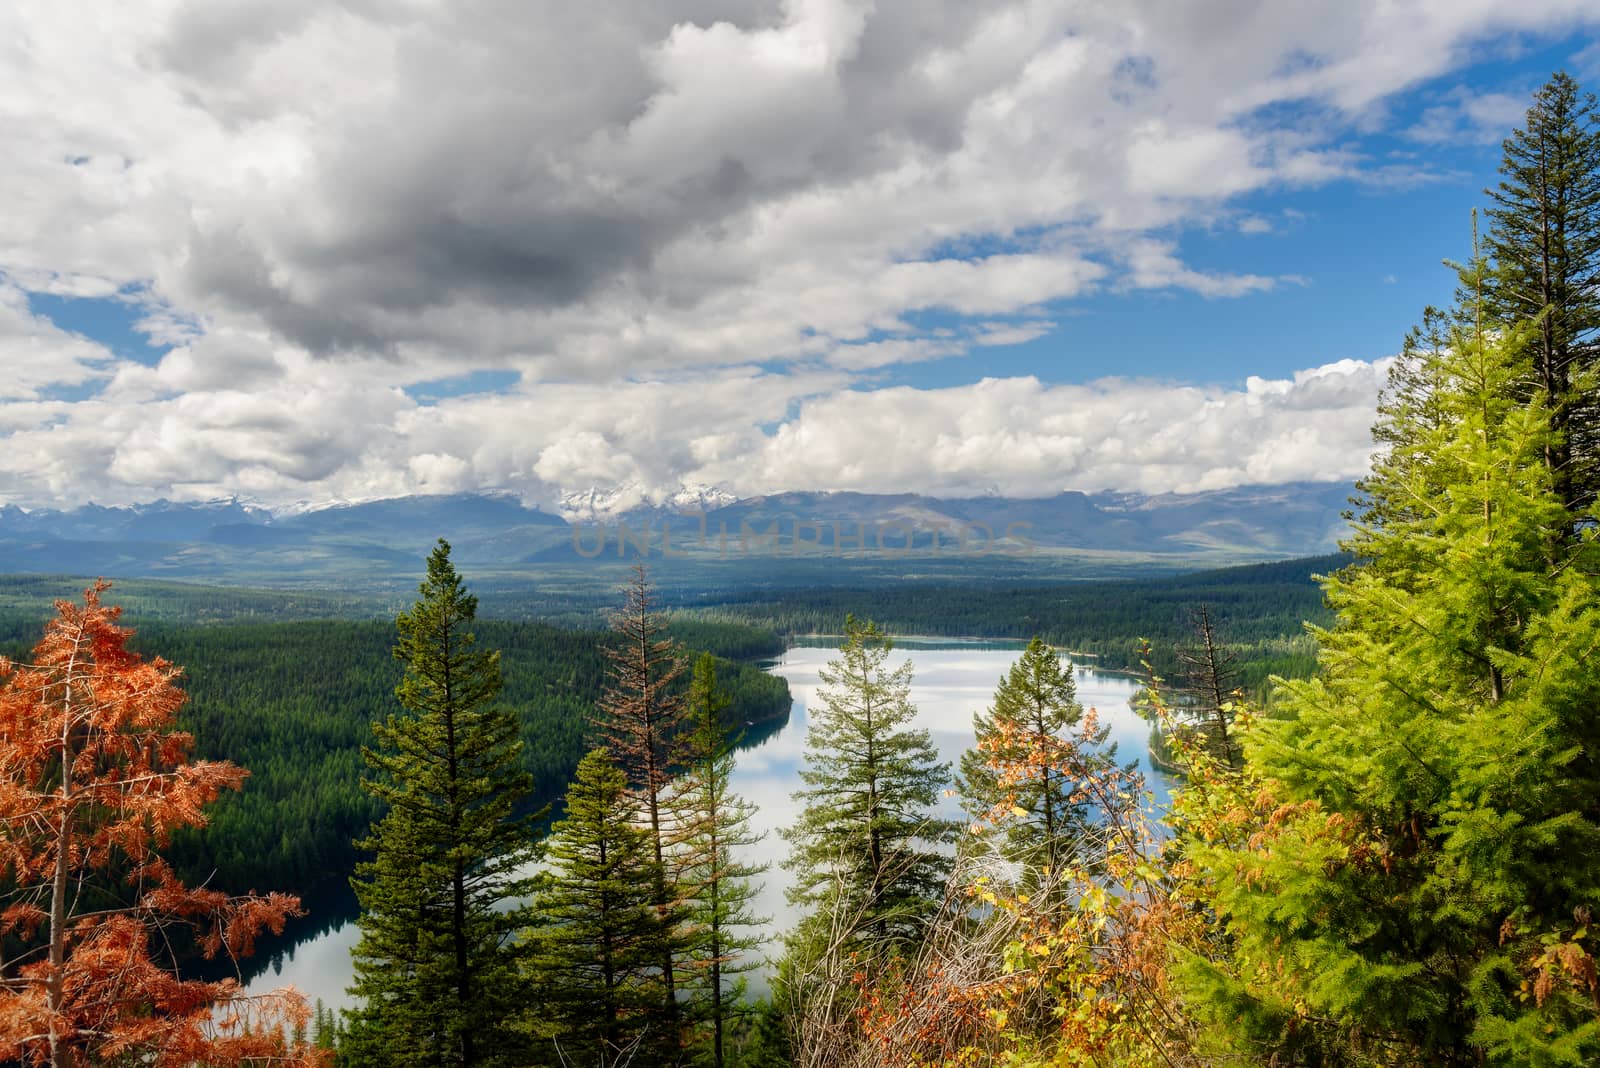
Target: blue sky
{"x":1371,"y":256}
{"x":302,"y":252}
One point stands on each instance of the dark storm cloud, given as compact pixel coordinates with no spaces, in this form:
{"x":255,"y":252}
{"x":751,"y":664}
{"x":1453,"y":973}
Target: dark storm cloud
{"x":496,"y":164}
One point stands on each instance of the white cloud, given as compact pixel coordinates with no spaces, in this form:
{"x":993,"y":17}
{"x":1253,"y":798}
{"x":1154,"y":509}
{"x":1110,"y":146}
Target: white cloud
{"x":1020,"y":437}
{"x":1467,"y":117}
{"x":1155,"y":264}
{"x":35,"y":354}
{"x":320,"y":204}
{"x":745,"y":432}
{"x":426,"y":179}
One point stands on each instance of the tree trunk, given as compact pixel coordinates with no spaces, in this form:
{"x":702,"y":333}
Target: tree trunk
{"x":59,"y":883}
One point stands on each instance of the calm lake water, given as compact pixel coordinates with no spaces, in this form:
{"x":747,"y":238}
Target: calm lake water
{"x":951,"y":680}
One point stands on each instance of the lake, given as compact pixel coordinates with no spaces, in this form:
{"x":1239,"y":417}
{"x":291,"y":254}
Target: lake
{"x":951,"y":680}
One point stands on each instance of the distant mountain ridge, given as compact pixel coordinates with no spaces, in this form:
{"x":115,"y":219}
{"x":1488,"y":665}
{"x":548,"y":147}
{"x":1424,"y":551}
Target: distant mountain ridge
{"x":385,"y":540}
{"x":1290,"y":519}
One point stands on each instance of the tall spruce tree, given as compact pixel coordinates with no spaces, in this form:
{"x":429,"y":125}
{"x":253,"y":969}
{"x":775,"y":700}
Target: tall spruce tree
{"x":1422,"y":891}
{"x":642,"y":720}
{"x":869,"y":856}
{"x":1544,"y":239}
{"x":597,"y":940}
{"x":1036,"y":700}
{"x":435,"y":968}
{"x":715,"y":826}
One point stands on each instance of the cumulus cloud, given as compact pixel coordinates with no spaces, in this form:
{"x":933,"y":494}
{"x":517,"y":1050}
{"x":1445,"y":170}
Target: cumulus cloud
{"x":1021,"y":437}
{"x":745,"y":432}
{"x":36,"y":354}
{"x":320,"y":204}
{"x":454,"y":178}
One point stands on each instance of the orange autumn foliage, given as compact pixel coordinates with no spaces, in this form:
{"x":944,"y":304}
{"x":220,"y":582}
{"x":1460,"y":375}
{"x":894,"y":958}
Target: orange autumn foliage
{"x":93,"y":779}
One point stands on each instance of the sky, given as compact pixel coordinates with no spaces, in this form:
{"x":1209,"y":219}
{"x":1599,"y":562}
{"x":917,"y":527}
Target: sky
{"x":309,"y":252}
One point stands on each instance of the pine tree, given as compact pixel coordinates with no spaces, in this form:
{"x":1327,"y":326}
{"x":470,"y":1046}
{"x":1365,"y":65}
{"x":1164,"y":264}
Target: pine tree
{"x":326,"y":1027}
{"x":1421,"y":892}
{"x":869,"y":857}
{"x":1406,"y":406}
{"x":642,"y":721}
{"x":435,"y":966}
{"x":94,"y":777}
{"x":1044,"y":820}
{"x":1208,"y":688}
{"x":715,"y":827}
{"x":598,"y":937}
{"x":1544,"y":239}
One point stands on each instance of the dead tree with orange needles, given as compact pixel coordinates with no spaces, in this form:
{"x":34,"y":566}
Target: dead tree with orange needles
{"x":93,"y":779}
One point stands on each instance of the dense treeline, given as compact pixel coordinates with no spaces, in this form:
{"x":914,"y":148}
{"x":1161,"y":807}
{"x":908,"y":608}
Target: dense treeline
{"x":295,"y":702}
{"x":23,"y":598}
{"x":1260,"y":611}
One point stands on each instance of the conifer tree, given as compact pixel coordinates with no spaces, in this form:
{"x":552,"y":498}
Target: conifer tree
{"x":1036,"y":700}
{"x":1406,"y":406}
{"x":1544,"y":239}
{"x":1208,"y":688}
{"x":767,"y":1045}
{"x":597,"y":937}
{"x":94,"y":777}
{"x":1422,"y":891}
{"x":715,"y":826}
{"x":869,"y":856}
{"x":642,"y":721}
{"x":435,"y":966}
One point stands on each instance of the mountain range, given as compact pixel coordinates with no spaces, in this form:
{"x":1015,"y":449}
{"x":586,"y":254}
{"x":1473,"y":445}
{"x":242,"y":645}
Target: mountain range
{"x":810,"y":537}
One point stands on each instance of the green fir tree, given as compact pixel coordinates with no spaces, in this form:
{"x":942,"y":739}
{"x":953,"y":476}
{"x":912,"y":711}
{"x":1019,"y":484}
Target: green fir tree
{"x":596,"y":944}
{"x":434,"y":969}
{"x":715,"y":828}
{"x":1422,"y":894}
{"x":767,"y":1043}
{"x":1044,"y":821}
{"x":1544,"y":240}
{"x":869,"y":857}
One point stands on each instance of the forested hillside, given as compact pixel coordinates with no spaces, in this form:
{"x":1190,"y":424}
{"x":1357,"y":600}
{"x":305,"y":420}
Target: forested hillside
{"x":26,"y":599}
{"x":293,"y":699}
{"x":1260,"y":611}
{"x":295,"y":702}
